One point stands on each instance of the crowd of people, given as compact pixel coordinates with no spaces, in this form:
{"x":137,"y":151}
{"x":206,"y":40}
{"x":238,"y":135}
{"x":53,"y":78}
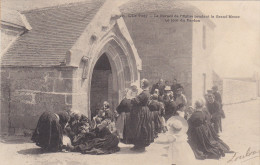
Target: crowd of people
{"x":140,"y":117}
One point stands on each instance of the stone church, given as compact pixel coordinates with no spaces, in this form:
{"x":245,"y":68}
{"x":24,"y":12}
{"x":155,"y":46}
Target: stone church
{"x":75,"y":56}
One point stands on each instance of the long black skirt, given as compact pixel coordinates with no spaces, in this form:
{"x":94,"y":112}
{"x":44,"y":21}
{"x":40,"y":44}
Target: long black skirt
{"x":141,"y":126}
{"x":127,"y":132}
{"x":48,"y":133}
{"x":103,"y":143}
{"x":205,"y":143}
{"x":157,"y":123}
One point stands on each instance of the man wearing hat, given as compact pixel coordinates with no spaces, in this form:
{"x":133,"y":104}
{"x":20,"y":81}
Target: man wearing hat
{"x":175,"y":85}
{"x":216,"y":93}
{"x":218,"y":99}
{"x":170,"y":105}
{"x":166,"y":94}
{"x":214,"y":109}
{"x":160,"y":86}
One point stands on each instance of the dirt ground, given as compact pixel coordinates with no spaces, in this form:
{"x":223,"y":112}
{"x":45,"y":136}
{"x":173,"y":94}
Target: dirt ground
{"x":241,"y":130}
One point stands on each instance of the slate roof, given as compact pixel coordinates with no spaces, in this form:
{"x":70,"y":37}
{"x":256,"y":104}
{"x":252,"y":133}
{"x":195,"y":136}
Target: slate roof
{"x":54,"y":31}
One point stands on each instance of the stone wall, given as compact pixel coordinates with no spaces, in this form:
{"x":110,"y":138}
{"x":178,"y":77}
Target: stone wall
{"x":236,"y":91}
{"x":164,"y":47}
{"x":27,"y":92}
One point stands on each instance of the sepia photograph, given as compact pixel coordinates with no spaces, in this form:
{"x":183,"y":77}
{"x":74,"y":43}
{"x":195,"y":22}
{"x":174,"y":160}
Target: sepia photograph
{"x":129,"y":82}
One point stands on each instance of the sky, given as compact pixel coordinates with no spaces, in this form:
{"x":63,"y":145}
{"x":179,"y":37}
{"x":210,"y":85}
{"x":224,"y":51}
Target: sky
{"x":236,"y":50}
{"x":237,"y":41}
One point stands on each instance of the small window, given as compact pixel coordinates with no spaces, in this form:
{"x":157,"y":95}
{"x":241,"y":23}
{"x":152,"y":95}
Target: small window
{"x":204,"y":37}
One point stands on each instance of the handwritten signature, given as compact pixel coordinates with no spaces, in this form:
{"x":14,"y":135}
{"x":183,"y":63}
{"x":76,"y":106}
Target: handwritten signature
{"x":245,"y":157}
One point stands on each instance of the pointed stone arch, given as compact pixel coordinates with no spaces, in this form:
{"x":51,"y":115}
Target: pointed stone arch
{"x":116,"y":43}
{"x":123,"y":67}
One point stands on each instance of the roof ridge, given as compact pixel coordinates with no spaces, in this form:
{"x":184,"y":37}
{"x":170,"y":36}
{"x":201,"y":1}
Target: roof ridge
{"x":60,"y":6}
{"x":13,"y":24}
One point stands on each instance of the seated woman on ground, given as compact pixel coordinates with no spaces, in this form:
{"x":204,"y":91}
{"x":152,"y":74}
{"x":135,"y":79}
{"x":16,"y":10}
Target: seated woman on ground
{"x":96,"y":140}
{"x":108,"y":112}
{"x":99,"y":117}
{"x":77,"y":126}
{"x":106,"y":116}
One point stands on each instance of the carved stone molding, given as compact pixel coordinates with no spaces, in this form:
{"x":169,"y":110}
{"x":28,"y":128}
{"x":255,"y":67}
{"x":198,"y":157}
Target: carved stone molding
{"x":85,"y":61}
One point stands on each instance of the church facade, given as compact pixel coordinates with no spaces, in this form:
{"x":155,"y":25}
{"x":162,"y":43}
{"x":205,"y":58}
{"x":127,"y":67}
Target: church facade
{"x":75,"y":56}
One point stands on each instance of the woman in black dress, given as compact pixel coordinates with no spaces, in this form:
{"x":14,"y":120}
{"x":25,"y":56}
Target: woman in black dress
{"x":96,"y":141}
{"x":141,"y":119}
{"x":49,"y":131}
{"x":202,"y":138}
{"x":78,"y":125}
{"x":157,"y":110}
{"x":123,"y":121}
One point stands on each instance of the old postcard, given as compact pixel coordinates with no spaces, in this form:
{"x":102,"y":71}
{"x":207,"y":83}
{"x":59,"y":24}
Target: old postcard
{"x":118,"y":82}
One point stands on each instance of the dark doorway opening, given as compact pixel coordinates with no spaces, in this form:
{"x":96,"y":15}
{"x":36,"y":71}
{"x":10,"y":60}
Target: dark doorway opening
{"x":101,"y":84}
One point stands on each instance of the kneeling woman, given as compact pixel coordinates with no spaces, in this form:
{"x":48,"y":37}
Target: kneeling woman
{"x":49,"y":131}
{"x":203,"y":140}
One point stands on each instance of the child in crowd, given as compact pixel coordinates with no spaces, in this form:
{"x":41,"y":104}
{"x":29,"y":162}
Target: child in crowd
{"x":188,"y":112}
{"x":99,"y":117}
{"x":179,"y":152}
{"x":105,"y":116}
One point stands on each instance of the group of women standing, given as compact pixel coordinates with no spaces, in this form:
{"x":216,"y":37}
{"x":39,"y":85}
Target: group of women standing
{"x":142,"y":116}
{"x":138,"y":122}
{"x":138,"y":127}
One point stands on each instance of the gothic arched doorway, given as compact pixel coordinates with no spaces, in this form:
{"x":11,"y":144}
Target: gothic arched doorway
{"x":110,"y":53}
{"x":101,"y":85}
{"x":111,"y":72}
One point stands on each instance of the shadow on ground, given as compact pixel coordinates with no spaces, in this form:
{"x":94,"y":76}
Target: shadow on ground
{"x":15,"y":139}
{"x":31,"y":151}
{"x":127,"y":150}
